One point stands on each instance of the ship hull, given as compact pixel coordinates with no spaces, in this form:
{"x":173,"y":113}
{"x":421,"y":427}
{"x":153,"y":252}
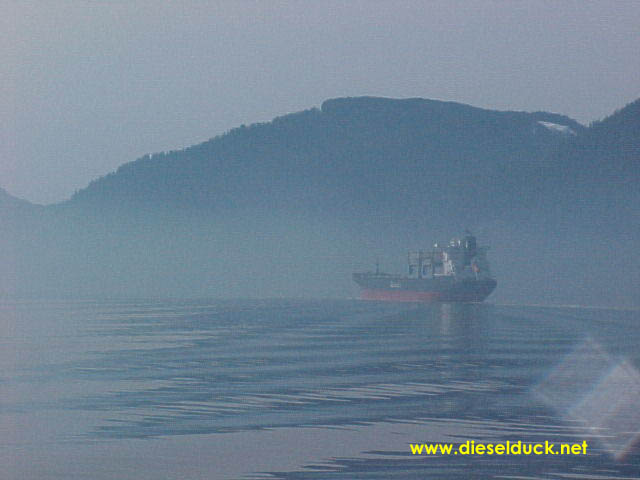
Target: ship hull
{"x":424,"y":290}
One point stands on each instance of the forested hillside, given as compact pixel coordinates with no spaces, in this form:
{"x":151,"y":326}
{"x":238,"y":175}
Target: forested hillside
{"x":291,"y":207}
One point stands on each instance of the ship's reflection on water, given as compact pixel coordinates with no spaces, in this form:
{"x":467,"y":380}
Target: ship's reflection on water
{"x":453,"y":330}
{"x":319,"y":390}
{"x":459,"y":319}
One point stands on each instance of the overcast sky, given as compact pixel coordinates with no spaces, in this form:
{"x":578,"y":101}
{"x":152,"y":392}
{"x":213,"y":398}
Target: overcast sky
{"x":89,"y":85}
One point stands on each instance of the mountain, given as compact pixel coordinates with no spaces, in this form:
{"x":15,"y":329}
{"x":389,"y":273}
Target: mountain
{"x":8,"y":202}
{"x":16,"y":212}
{"x":20,"y":222}
{"x":595,"y":174}
{"x":398,"y":156}
{"x":293,"y":206}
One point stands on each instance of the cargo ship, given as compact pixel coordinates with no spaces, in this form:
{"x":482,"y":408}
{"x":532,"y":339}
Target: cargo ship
{"x":457,"y":272}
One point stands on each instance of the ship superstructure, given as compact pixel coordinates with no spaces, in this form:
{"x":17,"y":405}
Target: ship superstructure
{"x":456,"y":272}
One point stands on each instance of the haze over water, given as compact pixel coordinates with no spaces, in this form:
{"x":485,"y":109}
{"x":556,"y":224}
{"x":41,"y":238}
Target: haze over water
{"x":312,"y":389}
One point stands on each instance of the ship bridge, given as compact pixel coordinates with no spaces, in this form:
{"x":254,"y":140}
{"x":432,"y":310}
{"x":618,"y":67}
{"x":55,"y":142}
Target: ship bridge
{"x":461,"y":258}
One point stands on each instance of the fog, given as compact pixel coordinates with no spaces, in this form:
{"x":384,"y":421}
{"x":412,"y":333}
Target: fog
{"x":293,"y":255}
{"x":292,"y":206}
{"x":92,"y":85}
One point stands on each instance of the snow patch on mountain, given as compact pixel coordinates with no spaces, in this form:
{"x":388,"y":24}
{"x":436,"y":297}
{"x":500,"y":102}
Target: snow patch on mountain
{"x":555,"y":127}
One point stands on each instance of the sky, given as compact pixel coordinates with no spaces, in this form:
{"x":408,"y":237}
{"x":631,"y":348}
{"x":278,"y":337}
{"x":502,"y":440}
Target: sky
{"x":89,"y":85}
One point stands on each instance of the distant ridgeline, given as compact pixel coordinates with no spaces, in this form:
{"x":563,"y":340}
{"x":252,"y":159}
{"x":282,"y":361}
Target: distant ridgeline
{"x":310,"y":195}
{"x":360,"y":154}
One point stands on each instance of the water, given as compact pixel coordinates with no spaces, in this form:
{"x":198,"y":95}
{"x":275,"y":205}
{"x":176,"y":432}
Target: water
{"x":312,"y":389}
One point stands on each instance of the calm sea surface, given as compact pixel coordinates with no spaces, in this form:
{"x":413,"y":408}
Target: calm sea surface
{"x":313,"y":390}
